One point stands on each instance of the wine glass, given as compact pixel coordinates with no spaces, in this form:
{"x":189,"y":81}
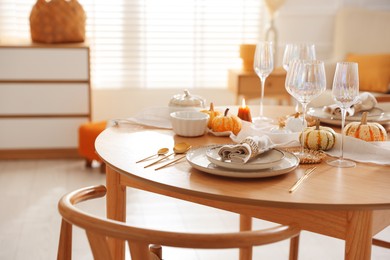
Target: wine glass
{"x":298,"y":51}
{"x":345,"y":92}
{"x":305,"y":81}
{"x":263,"y":65}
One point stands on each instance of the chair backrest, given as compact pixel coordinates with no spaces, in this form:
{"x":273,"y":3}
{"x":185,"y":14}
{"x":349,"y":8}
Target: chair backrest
{"x":99,"y":229}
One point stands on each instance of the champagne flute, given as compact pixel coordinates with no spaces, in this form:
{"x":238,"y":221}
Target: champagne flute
{"x":345,"y":92}
{"x":263,"y":65}
{"x":298,"y":51}
{"x":305,"y":81}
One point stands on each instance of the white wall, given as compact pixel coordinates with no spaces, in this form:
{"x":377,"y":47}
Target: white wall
{"x":297,"y":21}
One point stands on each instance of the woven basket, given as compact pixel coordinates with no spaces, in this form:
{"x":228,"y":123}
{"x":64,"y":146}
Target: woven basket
{"x":57,"y":21}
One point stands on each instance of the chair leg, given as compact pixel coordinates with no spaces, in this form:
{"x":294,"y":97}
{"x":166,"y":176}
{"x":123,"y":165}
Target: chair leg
{"x":294,"y":248}
{"x":381,"y":243}
{"x":156,"y":251}
{"x":139,"y":251}
{"x":245,"y":225}
{"x":65,"y":244}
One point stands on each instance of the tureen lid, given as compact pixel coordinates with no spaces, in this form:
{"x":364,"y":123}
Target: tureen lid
{"x":187,"y":100}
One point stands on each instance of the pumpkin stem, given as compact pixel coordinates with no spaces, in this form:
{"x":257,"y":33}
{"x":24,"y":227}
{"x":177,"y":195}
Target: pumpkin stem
{"x":364,"y":118}
{"x":226,"y":112}
{"x":296,"y":115}
{"x":211,"y":107}
{"x":317,"y":124}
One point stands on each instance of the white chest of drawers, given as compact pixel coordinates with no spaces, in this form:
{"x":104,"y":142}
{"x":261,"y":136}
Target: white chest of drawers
{"x":44,"y":97}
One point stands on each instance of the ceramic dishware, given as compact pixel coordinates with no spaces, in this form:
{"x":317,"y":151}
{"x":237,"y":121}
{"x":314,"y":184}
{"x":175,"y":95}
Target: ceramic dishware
{"x":186,"y":101}
{"x":189,"y":123}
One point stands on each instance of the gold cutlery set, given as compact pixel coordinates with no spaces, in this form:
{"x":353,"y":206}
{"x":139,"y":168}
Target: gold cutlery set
{"x":179,"y":148}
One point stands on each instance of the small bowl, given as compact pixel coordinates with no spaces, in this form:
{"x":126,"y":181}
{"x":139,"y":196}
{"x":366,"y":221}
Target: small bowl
{"x":189,"y":123}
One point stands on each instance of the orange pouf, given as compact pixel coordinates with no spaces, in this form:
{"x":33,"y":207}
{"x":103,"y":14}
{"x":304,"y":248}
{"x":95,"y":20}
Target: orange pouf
{"x":87,"y":136}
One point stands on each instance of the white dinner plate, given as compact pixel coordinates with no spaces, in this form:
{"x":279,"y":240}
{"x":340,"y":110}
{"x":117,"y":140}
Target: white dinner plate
{"x":197,"y":158}
{"x":380,"y":114}
{"x":265,"y":160}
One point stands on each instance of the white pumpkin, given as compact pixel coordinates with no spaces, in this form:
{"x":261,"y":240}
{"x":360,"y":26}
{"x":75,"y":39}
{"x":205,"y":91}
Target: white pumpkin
{"x":367,"y":131}
{"x":294,"y":123}
{"x":319,"y":137}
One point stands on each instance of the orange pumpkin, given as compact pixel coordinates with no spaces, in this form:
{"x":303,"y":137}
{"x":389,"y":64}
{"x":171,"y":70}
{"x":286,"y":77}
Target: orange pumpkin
{"x":226,"y":122}
{"x":212,"y":113}
{"x":367,"y":131}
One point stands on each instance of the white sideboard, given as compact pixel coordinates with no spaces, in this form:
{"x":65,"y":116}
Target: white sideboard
{"x":44,"y":98}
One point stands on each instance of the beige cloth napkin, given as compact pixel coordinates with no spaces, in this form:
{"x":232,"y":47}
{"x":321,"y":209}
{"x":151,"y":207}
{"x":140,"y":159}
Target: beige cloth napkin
{"x":280,"y":139}
{"x":249,"y":148}
{"x":365,"y":102}
{"x":362,"y":151}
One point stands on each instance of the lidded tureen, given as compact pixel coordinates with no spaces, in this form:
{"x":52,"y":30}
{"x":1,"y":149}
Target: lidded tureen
{"x":186,"y":101}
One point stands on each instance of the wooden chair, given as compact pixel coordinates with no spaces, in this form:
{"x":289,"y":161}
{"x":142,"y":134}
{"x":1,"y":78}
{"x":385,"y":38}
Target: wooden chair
{"x":140,"y":239}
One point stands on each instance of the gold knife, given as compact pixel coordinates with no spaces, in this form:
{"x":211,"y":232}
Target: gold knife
{"x":304,"y":177}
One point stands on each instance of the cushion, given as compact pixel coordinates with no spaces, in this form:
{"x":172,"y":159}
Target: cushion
{"x":374,"y":71}
{"x":87,"y":136}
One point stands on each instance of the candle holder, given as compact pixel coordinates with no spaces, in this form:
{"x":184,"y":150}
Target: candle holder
{"x":244,"y":112}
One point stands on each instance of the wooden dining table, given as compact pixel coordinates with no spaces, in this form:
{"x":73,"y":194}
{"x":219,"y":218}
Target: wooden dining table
{"x":352,"y":204}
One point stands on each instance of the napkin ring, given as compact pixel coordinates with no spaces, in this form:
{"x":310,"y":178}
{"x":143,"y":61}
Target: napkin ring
{"x":253,"y":145}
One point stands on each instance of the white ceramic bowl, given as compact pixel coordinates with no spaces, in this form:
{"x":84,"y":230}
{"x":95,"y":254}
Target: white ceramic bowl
{"x":189,"y":123}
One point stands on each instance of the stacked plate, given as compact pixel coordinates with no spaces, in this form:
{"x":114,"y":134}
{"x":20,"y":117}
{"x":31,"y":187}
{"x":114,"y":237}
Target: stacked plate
{"x":379,"y":114}
{"x":271,"y":163}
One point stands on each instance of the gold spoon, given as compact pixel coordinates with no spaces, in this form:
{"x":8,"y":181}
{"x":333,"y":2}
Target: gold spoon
{"x":161,"y":151}
{"x":179,"y":148}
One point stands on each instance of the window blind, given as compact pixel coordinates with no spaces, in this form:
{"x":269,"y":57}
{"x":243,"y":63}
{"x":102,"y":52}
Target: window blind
{"x":157,"y":43}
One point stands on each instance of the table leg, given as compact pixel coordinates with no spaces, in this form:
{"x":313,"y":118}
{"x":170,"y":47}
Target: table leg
{"x":358,"y":240}
{"x":245,"y":225}
{"x":115,"y":208}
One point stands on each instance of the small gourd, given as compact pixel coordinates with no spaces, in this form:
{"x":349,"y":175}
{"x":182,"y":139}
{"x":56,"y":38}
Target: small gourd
{"x":367,"y":131}
{"x":212,"y":113}
{"x":226,"y":122}
{"x":319,"y":137}
{"x":294,"y":123}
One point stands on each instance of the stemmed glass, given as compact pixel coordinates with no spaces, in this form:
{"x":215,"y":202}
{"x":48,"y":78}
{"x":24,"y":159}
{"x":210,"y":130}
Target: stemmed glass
{"x":263,"y":65}
{"x":298,"y":51}
{"x":345,"y":92}
{"x":305,"y":81}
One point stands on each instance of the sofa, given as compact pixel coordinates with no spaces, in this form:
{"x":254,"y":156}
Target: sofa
{"x":363,"y":36}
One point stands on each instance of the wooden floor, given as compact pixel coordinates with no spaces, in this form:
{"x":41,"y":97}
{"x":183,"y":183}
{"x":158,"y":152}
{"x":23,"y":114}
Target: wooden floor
{"x":29,"y":221}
